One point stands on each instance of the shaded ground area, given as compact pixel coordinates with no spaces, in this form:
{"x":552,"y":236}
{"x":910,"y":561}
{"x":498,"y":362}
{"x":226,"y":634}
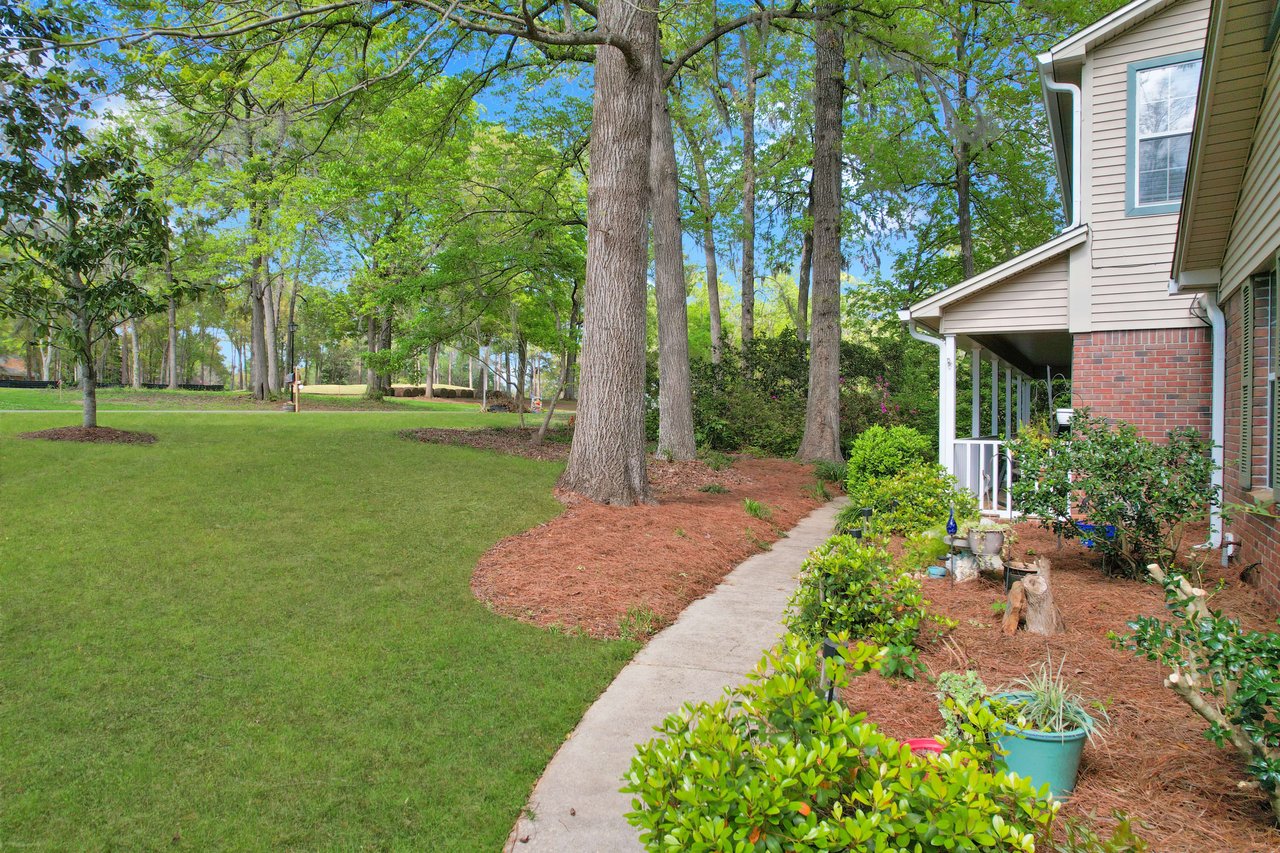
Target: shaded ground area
{"x":127,"y":399}
{"x":517,"y":442}
{"x":608,"y":570}
{"x":1154,"y":761}
{"x":92,"y":435}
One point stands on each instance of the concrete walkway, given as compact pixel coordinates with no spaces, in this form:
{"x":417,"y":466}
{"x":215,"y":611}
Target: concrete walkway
{"x":576,"y":806}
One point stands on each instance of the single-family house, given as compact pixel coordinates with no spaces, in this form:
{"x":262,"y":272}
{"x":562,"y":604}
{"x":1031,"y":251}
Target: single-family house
{"x":1092,"y":307}
{"x":1226,"y":253}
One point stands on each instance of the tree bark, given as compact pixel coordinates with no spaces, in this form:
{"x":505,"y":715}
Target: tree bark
{"x":675,"y":394}
{"x":384,"y":344}
{"x":270,"y":330}
{"x":806,"y":275}
{"x":1043,"y":616}
{"x":551,"y":404}
{"x":372,"y":387}
{"x":821,"y":439}
{"x":432,"y":360}
{"x":748,"y":190}
{"x":137,"y":360}
{"x":607,"y":457}
{"x":88,"y":371}
{"x":1015,"y":609}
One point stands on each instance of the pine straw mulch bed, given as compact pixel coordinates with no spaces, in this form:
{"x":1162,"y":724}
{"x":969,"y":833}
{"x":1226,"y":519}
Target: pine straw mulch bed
{"x":92,"y":435}
{"x":1153,"y":761}
{"x":517,"y":441}
{"x":587,"y":569}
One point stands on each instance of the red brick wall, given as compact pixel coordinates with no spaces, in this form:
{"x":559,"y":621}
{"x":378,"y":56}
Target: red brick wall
{"x":1259,"y":538}
{"x":1157,"y":380}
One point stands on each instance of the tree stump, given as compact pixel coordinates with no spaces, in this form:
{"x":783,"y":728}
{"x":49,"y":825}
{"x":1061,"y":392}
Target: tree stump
{"x":1043,"y":616}
{"x":1015,"y":608}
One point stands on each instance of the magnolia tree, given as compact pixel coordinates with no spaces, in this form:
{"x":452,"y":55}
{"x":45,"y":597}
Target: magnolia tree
{"x":77,"y":220}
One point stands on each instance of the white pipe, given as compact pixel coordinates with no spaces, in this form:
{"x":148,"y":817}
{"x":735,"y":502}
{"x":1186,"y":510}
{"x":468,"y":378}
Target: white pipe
{"x":1218,"y":324}
{"x":946,"y":397}
{"x":1077,"y":115}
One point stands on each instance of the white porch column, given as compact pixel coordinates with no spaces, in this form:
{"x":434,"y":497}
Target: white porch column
{"x":995,"y":395}
{"x":947,"y":403}
{"x":1008,"y":403}
{"x":975,"y":373}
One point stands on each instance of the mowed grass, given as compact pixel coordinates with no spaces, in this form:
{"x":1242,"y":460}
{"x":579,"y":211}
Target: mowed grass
{"x":127,"y":399}
{"x":258,"y":634}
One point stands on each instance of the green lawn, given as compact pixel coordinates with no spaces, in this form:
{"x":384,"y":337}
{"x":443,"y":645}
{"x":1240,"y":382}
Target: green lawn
{"x":258,"y":634}
{"x":126,"y":399}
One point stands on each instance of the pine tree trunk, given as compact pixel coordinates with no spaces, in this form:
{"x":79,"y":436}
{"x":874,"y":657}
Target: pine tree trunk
{"x":822,"y":412}
{"x":806,"y":275}
{"x":607,"y":457}
{"x":270,"y":332}
{"x":171,"y":357}
{"x":748,"y":191}
{"x":675,"y":395}
{"x":432,"y":360}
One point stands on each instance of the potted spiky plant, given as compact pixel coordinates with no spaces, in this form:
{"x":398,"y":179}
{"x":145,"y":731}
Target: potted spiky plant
{"x":1046,"y":726}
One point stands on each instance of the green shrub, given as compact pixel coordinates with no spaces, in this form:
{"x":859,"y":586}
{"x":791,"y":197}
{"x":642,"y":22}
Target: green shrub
{"x":716,"y":460}
{"x":774,"y":766}
{"x":880,"y":452}
{"x":755,"y":509}
{"x":921,"y":550}
{"x":714,"y":489}
{"x":1138,"y":496}
{"x":911,"y":501}
{"x":851,"y":586}
{"x":1228,"y":675}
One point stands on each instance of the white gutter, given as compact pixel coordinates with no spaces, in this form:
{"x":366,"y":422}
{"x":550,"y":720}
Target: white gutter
{"x":1077,"y":114}
{"x":914,"y":330}
{"x":1218,"y":324}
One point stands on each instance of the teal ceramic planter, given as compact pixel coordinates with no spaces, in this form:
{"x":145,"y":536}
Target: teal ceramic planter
{"x":1043,"y":757}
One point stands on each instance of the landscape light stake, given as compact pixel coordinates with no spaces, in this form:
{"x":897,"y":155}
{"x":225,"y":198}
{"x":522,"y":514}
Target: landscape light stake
{"x":867,"y":512}
{"x":829,"y":650}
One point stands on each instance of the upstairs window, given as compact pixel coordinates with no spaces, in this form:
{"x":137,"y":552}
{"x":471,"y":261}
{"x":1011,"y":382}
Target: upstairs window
{"x":1162,"y":109}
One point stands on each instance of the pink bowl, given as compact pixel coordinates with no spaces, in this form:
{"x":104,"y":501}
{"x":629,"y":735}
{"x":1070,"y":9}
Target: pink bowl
{"x":924,"y":746}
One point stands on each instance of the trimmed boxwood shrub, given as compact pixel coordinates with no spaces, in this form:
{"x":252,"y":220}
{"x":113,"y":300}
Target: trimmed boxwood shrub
{"x":913,"y":500}
{"x":774,"y":766}
{"x":852,"y":587}
{"x":879,"y":452}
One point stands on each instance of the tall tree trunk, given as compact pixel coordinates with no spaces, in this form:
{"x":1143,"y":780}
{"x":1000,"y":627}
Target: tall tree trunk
{"x":124,"y":355}
{"x":171,"y":356}
{"x":137,"y":361}
{"x":432,"y":361}
{"x":384,"y":344}
{"x":822,"y":411}
{"x":748,"y":190}
{"x":699,"y":159}
{"x":675,"y":395}
{"x":964,"y":158}
{"x":372,"y":384}
{"x":88,"y":371}
{"x":270,"y":330}
{"x":607,"y":457}
{"x":806,"y":275}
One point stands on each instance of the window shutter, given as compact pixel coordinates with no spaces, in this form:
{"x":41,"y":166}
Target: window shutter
{"x":1275,"y":379}
{"x":1246,"y":386}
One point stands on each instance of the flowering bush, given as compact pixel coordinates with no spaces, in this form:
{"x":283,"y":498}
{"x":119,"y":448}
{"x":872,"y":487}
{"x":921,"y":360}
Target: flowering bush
{"x":775,"y":766}
{"x":1114,"y":490}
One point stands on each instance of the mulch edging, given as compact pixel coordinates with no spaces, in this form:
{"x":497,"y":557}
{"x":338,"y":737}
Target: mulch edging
{"x":587,"y":568}
{"x":1153,"y":760}
{"x":91,"y":435}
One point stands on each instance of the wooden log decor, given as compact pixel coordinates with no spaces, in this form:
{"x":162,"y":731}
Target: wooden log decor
{"x":1031,"y":601}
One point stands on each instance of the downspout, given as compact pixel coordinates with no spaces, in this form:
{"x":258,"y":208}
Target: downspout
{"x":1076,"y":121}
{"x":1218,"y":324}
{"x":914,"y":331}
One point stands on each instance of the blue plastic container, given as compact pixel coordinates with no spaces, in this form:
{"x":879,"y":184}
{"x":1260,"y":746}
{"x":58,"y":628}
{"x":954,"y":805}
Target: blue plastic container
{"x":1043,"y":757}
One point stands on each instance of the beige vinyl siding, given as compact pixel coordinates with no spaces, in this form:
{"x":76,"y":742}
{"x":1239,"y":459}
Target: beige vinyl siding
{"x":1035,"y":300}
{"x":1255,"y":231}
{"x":1131,"y":255}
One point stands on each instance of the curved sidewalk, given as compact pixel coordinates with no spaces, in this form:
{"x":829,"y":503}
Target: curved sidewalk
{"x":576,"y":806}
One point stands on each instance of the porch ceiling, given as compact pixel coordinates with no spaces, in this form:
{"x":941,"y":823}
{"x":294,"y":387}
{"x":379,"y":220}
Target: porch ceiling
{"x":1030,"y":352}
